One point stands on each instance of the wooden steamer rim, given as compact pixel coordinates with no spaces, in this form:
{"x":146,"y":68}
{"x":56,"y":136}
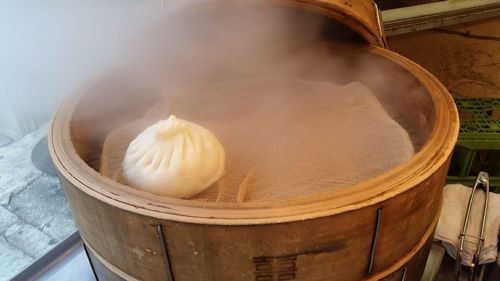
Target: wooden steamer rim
{"x":361,"y":16}
{"x":428,"y":160}
{"x":137,"y":214}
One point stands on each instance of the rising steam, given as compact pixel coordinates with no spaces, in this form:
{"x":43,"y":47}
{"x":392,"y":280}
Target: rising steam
{"x":206,"y":52}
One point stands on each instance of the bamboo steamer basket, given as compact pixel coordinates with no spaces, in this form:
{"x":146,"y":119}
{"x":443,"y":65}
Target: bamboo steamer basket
{"x":379,"y":229}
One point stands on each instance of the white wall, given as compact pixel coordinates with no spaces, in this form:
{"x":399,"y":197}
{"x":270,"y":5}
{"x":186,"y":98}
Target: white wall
{"x":49,"y":48}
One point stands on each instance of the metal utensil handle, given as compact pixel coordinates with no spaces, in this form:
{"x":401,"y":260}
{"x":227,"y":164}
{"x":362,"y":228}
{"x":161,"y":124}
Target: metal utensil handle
{"x":482,"y":180}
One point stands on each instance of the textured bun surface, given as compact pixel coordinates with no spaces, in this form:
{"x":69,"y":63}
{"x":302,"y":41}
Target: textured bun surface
{"x":174,"y":158}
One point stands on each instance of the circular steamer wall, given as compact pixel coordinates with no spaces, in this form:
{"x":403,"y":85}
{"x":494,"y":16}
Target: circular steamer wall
{"x":378,"y":229}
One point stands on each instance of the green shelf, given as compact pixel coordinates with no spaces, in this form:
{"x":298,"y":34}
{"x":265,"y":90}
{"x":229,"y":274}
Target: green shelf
{"x":479,"y":123}
{"x":478,"y":145}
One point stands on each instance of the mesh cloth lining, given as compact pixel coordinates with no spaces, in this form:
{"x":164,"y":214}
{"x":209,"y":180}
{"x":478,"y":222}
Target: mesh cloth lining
{"x":283,"y":137}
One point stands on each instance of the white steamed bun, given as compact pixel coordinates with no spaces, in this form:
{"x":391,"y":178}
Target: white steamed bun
{"x":174,"y":158}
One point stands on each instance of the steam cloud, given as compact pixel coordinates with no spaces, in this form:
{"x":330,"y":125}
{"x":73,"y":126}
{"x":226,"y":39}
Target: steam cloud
{"x":219,"y":41}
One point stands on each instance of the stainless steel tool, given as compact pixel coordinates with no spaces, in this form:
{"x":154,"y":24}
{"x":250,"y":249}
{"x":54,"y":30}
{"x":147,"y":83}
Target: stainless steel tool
{"x":482,"y":180}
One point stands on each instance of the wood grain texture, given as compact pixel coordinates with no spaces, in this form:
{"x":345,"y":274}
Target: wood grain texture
{"x":412,"y":268}
{"x":360,"y":15}
{"x":464,"y":58}
{"x":394,"y":4}
{"x":334,"y":247}
{"x":322,"y":241}
{"x":425,"y":163}
{"x":326,"y":236}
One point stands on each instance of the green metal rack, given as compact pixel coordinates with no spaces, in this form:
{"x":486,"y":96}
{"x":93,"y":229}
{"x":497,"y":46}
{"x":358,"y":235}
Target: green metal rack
{"x":478,"y":145}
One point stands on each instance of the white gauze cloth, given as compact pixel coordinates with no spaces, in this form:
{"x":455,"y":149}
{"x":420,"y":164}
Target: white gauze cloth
{"x":456,"y":198}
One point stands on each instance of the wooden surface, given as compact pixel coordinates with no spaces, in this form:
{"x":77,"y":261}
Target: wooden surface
{"x":464,"y":58}
{"x":410,"y":268}
{"x":411,"y":173}
{"x":336,"y":247}
{"x":394,"y":4}
{"x":360,"y":15}
{"x":327,"y":236}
